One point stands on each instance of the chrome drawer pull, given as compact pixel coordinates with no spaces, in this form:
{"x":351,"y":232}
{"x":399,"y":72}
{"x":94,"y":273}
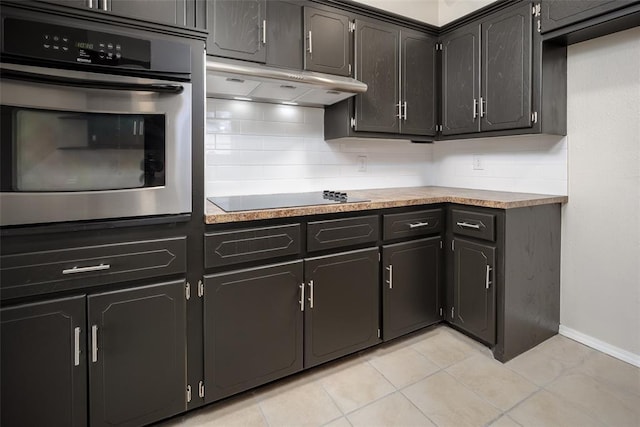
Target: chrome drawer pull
{"x":94,"y":343}
{"x":487,"y":283}
{"x":75,"y":270}
{"x":390,"y":281}
{"x":310,"y":293}
{"x":301,"y":297}
{"x":76,"y":347}
{"x":418,"y":224}
{"x":467,"y":225}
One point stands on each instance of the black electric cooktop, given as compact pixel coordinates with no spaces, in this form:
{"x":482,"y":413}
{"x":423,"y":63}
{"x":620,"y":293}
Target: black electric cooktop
{"x":283,"y":200}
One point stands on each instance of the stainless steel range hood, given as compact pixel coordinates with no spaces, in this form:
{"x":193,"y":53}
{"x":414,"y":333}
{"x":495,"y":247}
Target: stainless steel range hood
{"x":245,"y":81}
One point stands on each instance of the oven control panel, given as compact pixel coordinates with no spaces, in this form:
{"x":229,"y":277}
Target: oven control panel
{"x":46,"y":41}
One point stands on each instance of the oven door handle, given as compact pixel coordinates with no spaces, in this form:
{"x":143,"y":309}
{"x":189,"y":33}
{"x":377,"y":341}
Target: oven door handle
{"x":173,"y":88}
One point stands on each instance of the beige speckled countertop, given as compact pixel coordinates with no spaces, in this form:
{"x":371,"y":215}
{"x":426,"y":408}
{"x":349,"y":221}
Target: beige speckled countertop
{"x":393,"y":198}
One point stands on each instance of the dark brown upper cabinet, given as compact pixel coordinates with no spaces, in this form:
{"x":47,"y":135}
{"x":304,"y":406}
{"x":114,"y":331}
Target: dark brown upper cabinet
{"x":237,"y":29}
{"x":328,"y":41}
{"x":256,"y":30}
{"x":399,"y":67}
{"x":555,"y":14}
{"x":172,"y":12}
{"x":377,"y":65}
{"x":418,"y":78}
{"x":486,"y":69}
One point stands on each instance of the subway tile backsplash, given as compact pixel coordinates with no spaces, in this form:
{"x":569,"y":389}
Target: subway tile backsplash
{"x":255,"y":148}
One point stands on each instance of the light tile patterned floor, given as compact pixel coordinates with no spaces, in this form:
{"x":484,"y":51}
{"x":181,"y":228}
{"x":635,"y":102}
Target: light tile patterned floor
{"x":439,"y":377}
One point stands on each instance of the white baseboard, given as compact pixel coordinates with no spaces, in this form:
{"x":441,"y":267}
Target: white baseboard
{"x":611,"y":350}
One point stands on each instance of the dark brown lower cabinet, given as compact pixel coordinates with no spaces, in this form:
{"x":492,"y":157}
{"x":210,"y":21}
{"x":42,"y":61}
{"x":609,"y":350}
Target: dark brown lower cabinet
{"x":44,"y":364}
{"x":253,"y":327}
{"x":137,"y":354}
{"x":474,"y":296}
{"x":342,"y":310}
{"x":411,"y":288}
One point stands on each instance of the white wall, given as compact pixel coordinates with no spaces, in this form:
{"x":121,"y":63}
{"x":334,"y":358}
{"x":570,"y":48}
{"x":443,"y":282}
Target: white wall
{"x":256,"y":148}
{"x":530,"y":164}
{"x":600,"y":293}
{"x":434,"y":12}
{"x":449,"y":10}
{"x":421,"y":10}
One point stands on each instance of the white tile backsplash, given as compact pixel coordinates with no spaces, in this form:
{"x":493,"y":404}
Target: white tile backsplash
{"x":531,"y":164}
{"x":254,"y":148}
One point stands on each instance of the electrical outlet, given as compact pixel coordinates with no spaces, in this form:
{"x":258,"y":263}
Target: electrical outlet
{"x":362,"y":163}
{"x":478,"y":164}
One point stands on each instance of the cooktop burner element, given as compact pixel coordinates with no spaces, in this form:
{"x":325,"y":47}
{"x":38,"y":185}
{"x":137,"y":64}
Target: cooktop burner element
{"x":282,"y":200}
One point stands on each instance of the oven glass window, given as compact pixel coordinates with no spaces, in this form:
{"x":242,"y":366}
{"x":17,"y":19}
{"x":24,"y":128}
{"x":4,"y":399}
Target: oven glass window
{"x":78,"y":151}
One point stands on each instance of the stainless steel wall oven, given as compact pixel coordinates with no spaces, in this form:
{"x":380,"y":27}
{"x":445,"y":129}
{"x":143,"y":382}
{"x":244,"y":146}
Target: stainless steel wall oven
{"x":95,"y":122}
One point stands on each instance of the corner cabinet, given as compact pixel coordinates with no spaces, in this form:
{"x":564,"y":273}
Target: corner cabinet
{"x":474,"y":296}
{"x":503,"y":268}
{"x":399,"y":67}
{"x":486,"y":71}
{"x":412,"y":285}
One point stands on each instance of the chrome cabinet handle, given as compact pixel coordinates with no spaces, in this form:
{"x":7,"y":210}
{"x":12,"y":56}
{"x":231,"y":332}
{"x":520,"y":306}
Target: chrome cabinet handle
{"x":467,"y":225}
{"x":405,"y":110}
{"x":390,"y":281}
{"x":487,"y":282}
{"x":310,"y":49}
{"x":94,"y":343}
{"x":76,"y":346}
{"x":301,"y":297}
{"x":310,"y":293}
{"x":483,"y":105}
{"x":475,"y":108}
{"x":264,"y":31}
{"x":135,"y":127}
{"x":75,"y":270}
{"x":90,"y":4}
{"x":418,"y":224}
{"x":105,"y":5}
{"x":399,"y":115}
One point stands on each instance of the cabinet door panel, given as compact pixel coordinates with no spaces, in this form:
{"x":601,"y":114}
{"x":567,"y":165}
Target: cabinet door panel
{"x":461,"y":81}
{"x":166,"y":11}
{"x":284,"y":42}
{"x":41,"y":365}
{"x":506,"y":70}
{"x":343,"y":317}
{"x":328,"y":49}
{"x":139,"y":375}
{"x":559,"y":13}
{"x":377,"y":62}
{"x":474,"y":301}
{"x":253,"y":327}
{"x":411,"y":291}
{"x":418,"y":83}
{"x":235,"y":29}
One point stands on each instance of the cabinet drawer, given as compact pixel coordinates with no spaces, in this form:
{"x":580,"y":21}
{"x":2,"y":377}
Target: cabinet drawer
{"x":252,"y":244}
{"x":338,"y":233}
{"x":63,"y":269}
{"x":410,"y":224}
{"x":474,"y":224}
